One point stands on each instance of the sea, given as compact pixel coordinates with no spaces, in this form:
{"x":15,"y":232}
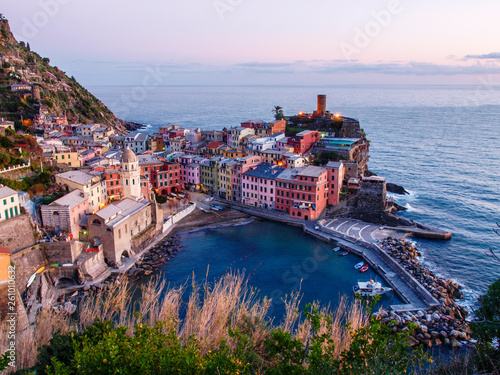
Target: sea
{"x":441,"y":143}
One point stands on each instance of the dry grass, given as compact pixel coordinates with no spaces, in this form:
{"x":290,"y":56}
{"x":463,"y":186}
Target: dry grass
{"x":208,"y":315}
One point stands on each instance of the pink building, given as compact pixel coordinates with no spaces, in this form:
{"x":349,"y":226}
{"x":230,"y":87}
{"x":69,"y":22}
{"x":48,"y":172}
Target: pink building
{"x":302,"y":192}
{"x":87,"y":155}
{"x":259,"y":185}
{"x":192,"y":136}
{"x":244,"y":164}
{"x":191,"y":173}
{"x":336,"y":174}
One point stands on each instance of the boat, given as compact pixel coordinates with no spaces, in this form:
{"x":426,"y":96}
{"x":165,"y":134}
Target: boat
{"x":344,"y":253}
{"x":359,"y":265}
{"x":336,"y":248}
{"x":30,"y":280}
{"x":40,"y":270}
{"x":370,"y":288}
{"x":364,"y":268}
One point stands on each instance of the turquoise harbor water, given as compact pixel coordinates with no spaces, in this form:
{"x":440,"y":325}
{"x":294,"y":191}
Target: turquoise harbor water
{"x":277,"y":259}
{"x":440,"y":143}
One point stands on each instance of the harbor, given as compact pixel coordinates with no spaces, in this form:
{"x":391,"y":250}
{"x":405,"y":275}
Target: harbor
{"x":415,"y":296}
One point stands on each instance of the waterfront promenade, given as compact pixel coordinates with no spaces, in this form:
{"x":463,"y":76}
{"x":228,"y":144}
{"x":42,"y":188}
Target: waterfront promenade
{"x":415,"y":295}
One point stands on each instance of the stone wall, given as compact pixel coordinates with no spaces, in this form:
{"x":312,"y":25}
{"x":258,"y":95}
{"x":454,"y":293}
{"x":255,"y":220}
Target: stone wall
{"x":27,"y":262}
{"x":93,"y":265}
{"x":144,"y":239}
{"x":371,"y":197}
{"x":63,"y":252}
{"x":17,"y":233}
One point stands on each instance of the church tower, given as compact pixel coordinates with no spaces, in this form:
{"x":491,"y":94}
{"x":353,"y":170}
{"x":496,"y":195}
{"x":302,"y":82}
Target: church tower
{"x":130,"y":175}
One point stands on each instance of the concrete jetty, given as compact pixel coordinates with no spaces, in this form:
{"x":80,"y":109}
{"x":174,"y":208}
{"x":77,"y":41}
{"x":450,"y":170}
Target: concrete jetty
{"x":430,"y":233}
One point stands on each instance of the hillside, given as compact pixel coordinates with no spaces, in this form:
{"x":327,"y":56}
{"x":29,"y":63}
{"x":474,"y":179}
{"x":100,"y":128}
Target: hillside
{"x":45,"y":88}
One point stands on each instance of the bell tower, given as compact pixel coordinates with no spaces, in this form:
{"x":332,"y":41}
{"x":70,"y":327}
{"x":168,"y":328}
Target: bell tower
{"x":130,"y":174}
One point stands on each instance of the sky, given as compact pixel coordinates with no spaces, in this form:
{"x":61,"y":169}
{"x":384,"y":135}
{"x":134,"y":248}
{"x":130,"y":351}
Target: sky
{"x":263,"y":42}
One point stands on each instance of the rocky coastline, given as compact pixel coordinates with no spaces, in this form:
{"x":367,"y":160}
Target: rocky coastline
{"x":443,"y":325}
{"x":152,"y":260}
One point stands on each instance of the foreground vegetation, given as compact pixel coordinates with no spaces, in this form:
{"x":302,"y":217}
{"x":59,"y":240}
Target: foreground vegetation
{"x":223,"y":329}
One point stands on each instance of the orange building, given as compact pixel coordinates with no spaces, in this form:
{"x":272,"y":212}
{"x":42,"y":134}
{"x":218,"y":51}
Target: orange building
{"x":4,"y":264}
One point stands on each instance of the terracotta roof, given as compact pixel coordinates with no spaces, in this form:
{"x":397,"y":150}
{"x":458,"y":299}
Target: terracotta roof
{"x":5,"y":250}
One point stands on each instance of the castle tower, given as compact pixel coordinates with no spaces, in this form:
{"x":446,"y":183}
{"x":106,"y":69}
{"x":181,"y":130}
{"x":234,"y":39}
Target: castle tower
{"x":130,"y":174}
{"x":320,"y":112}
{"x":321,"y":105}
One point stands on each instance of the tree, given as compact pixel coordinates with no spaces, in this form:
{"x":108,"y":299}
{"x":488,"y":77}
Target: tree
{"x":278,"y":112}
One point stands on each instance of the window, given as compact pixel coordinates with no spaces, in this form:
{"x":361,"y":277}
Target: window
{"x":12,"y":199}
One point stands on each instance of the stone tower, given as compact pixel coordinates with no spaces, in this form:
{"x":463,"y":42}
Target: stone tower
{"x":130,"y":175}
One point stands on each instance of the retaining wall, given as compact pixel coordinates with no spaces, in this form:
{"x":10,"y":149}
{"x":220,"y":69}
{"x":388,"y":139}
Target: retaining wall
{"x":173,"y":219}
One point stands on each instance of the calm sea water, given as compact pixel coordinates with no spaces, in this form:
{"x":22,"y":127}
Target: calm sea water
{"x":277,"y":259}
{"x":441,"y":143}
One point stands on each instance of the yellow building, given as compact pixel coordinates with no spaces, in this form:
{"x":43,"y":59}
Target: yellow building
{"x":233,"y":154}
{"x":70,"y":158}
{"x":225,"y":168}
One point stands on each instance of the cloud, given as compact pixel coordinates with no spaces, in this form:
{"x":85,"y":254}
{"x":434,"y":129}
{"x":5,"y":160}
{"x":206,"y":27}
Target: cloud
{"x":354,"y":67}
{"x":492,"y":55}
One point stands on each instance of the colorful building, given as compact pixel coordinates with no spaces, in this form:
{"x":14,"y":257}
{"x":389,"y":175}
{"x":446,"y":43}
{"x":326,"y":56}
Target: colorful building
{"x":304,"y":140}
{"x":9,"y":203}
{"x":336,"y":174}
{"x":92,"y":184}
{"x":224,"y":174}
{"x":302,"y":192}
{"x":235,"y":135}
{"x":243,"y":164}
{"x":259,"y":185}
{"x":209,"y":174}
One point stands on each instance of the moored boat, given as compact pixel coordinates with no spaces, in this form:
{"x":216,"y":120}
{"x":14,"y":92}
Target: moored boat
{"x":344,"y":253}
{"x":359,"y":265}
{"x":370,"y":288}
{"x":364,"y":268}
{"x":30,"y":280}
{"x":336,"y":248}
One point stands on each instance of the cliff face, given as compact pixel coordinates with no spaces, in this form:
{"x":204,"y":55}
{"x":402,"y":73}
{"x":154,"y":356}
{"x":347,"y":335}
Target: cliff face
{"x":51,"y":89}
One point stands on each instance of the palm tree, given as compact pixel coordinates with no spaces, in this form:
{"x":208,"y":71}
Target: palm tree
{"x":278,"y":112}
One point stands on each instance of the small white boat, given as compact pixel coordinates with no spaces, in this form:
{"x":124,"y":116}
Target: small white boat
{"x":359,"y":265}
{"x":30,"y":280}
{"x":370,"y":288}
{"x":336,"y":248}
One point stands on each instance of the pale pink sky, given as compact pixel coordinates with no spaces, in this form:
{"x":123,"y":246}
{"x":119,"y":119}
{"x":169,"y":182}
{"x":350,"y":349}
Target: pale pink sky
{"x":264,"y":42}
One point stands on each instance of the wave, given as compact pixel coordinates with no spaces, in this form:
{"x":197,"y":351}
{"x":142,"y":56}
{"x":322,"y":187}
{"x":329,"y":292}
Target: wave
{"x":244,"y":223}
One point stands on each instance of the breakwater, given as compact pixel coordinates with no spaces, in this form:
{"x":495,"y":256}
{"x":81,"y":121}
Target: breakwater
{"x":443,"y":324}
